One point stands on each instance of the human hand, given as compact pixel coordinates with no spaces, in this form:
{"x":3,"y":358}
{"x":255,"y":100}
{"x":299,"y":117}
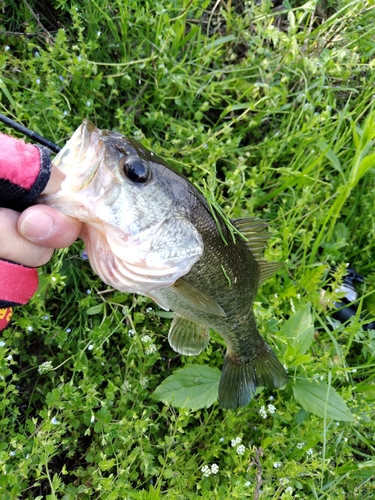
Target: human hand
{"x":29,"y":238}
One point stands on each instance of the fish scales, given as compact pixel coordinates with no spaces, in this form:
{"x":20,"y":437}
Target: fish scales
{"x":148,"y":230}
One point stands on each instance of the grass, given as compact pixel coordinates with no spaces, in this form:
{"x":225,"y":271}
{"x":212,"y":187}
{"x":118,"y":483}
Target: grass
{"x":270,"y":110}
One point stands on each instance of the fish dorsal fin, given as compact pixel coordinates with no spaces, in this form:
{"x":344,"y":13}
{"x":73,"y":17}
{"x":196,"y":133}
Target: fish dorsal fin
{"x":187,"y":336}
{"x":252,"y":228}
{"x":267,"y":269}
{"x":196,"y":298}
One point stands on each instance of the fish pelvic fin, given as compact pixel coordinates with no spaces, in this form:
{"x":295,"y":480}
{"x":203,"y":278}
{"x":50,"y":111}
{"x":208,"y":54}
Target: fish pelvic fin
{"x":187,"y":336}
{"x":241,"y":377}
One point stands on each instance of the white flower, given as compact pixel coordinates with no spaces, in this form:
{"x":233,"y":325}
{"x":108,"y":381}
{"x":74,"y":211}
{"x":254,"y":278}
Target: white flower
{"x":7,"y":48}
{"x":289,"y":490}
{"x":2,"y":343}
{"x":206,"y":471}
{"x":146,"y":338}
{"x":45,"y":367}
{"x":263,"y":412}
{"x":98,"y":33}
{"x":151,"y":349}
{"x":214,"y":469}
{"x":12,"y":453}
{"x":310,"y":451}
{"x":88,"y":103}
{"x":300,"y":445}
{"x":236,"y":441}
{"x":92,"y":418}
{"x":271,"y":408}
{"x":30,"y":328}
{"x":126,"y":386}
{"x":277,"y":465}
{"x":131,"y":332}
{"x":54,"y":421}
{"x":9,"y":357}
{"x":241,"y":449}
{"x":90,"y":347}
{"x":284,"y":480}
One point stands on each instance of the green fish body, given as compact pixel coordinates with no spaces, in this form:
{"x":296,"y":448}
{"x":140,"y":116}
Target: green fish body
{"x":148,"y":230}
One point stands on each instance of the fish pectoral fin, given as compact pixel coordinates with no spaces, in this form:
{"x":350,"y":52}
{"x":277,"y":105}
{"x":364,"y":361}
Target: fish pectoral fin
{"x":187,"y":336}
{"x":196,"y":298}
{"x":267,"y":269}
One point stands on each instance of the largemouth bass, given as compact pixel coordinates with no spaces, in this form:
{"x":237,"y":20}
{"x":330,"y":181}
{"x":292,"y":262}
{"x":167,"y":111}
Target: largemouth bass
{"x":148,"y":230}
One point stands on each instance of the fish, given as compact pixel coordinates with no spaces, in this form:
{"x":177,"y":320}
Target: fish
{"x":148,"y":230}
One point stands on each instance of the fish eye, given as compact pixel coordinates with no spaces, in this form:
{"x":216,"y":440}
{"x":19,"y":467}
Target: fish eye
{"x":136,"y":170}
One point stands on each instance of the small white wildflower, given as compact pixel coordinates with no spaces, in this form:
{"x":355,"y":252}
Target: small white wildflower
{"x":247,"y":484}
{"x":53,"y":278}
{"x":277,"y":465}
{"x":284,"y":480}
{"x":275,"y":295}
{"x":88,"y":292}
{"x":45,"y":367}
{"x":46,"y":317}
{"x":271,"y":408}
{"x":262,"y":412}
{"x":90,"y":347}
{"x":144,"y":382}
{"x":7,"y":48}
{"x":214,"y":469}
{"x":240,"y":449}
{"x":2,"y":343}
{"x":354,"y":370}
{"x":9,"y":357}
{"x":289,"y":490}
{"x":98,"y":33}
{"x":206,"y":471}
{"x":337,"y":424}
{"x":66,"y":112}
{"x":151,"y":349}
{"x":131,"y":332}
{"x":27,"y":456}
{"x":36,"y":53}
{"x":300,"y":445}
{"x":79,"y":58}
{"x":30,"y":328}
{"x":12,"y":453}
{"x":149,"y":309}
{"x":92,"y":418}
{"x":146,"y":338}
{"x":236,"y":441}
{"x":88,"y":103}
{"x":310,"y":451}
{"x":221,"y":440}
{"x":126,"y":386}
{"x":61,"y":78}
{"x":271,"y":398}
{"x":68,"y":330}
{"x":54,"y":421}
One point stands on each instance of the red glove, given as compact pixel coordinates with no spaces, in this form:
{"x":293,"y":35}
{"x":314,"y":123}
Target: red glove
{"x":24,"y":173}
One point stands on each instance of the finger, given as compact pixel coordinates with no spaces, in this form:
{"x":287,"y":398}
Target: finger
{"x":47,"y":227}
{"x":14,"y":247}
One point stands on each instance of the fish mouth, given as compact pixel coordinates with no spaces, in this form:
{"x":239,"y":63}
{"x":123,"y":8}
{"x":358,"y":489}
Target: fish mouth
{"x":81,"y":157}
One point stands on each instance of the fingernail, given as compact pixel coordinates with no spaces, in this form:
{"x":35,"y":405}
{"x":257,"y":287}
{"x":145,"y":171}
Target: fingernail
{"x":37,"y":226}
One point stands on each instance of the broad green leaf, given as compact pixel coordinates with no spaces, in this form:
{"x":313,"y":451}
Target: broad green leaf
{"x":192,"y":387}
{"x":95,"y":309}
{"x":299,"y":329}
{"x":321,"y":399}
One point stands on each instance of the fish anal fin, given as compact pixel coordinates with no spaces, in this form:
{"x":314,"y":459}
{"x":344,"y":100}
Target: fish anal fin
{"x":241,"y":377}
{"x":267,"y":269}
{"x":196,"y":298}
{"x":187,"y":336}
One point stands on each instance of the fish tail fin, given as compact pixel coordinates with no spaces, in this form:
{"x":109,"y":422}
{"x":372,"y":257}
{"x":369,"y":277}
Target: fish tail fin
{"x":242,"y":376}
